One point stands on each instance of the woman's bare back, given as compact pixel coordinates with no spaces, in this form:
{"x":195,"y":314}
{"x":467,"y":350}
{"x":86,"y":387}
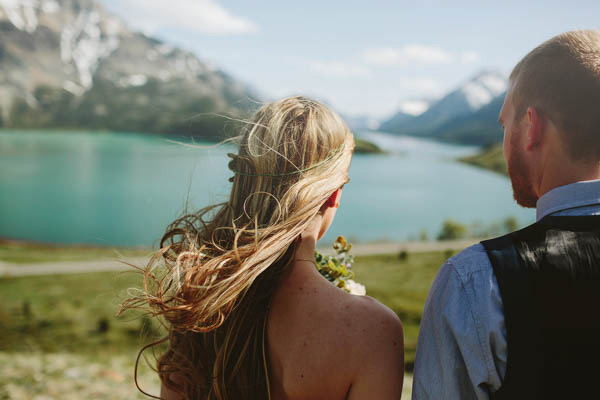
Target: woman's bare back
{"x":326,"y":344}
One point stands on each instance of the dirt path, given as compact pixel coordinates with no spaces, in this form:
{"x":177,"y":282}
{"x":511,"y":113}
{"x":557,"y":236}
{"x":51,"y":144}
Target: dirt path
{"x":66,"y":267}
{"x":366,"y":249}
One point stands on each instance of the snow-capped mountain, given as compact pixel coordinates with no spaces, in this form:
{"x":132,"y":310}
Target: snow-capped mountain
{"x":482,"y":89}
{"x":70,"y":63}
{"x":467,"y":99}
{"x":414,"y":107}
{"x":407,"y":111}
{"x":478,"y":128}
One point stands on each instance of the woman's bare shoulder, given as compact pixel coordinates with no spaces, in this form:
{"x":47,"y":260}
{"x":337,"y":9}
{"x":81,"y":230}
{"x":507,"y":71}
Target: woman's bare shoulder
{"x":316,"y":329}
{"x":376,"y":324}
{"x":356,"y":319}
{"x":360,"y":328}
{"x":378,"y":351}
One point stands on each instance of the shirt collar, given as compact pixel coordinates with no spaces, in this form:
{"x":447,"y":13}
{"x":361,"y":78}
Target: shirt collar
{"x":574,"y":195}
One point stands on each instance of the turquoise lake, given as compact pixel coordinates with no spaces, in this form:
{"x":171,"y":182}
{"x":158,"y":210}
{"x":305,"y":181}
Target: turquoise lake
{"x":123,"y":189}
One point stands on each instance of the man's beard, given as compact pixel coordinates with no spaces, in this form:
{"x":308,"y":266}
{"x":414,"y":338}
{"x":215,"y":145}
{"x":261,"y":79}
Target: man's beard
{"x":520,"y":180}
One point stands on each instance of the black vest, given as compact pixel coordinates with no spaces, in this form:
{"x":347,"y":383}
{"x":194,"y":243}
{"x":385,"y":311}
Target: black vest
{"x":549,"y":280}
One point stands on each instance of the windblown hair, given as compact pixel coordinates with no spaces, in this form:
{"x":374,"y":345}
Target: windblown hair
{"x":561,"y":79}
{"x":213,"y":278}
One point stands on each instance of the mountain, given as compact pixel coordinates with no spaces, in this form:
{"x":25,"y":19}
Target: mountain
{"x":478,"y":128}
{"x":395,"y":122}
{"x":71,"y":64}
{"x":465,"y":100}
{"x":408,"y":110}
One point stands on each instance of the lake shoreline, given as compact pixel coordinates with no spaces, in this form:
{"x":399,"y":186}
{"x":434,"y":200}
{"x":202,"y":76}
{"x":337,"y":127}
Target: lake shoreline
{"x":490,"y":158}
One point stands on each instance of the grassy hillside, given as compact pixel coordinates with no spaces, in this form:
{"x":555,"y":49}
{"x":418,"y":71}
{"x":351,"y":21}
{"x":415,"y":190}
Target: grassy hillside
{"x":17,"y":252}
{"x":75,"y":313}
{"x":490,"y":157}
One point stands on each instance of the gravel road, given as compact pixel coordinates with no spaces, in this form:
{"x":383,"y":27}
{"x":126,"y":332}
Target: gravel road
{"x":360,"y":249}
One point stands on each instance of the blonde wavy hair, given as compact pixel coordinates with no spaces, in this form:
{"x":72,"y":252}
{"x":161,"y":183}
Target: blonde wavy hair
{"x":213,"y":278}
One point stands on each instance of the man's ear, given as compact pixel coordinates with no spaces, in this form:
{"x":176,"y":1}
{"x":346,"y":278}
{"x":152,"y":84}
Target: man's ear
{"x":535,"y":129}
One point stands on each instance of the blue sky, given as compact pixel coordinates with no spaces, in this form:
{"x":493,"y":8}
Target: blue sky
{"x":363,"y":57}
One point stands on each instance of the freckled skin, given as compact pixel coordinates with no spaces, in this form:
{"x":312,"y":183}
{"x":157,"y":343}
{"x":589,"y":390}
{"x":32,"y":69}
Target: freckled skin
{"x":333,"y":341}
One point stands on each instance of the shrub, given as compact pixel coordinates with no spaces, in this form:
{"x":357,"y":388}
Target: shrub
{"x":403,"y":255}
{"x":103,"y":325}
{"x":511,"y":224}
{"x":452,"y":230}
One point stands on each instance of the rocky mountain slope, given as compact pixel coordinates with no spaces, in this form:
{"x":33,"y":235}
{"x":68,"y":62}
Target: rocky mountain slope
{"x":71,"y":64}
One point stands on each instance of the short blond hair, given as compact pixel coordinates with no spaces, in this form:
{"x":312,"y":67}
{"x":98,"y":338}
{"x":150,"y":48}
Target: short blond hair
{"x":561,"y":79}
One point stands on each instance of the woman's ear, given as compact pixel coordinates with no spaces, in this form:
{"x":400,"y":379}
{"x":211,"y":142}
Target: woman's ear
{"x":333,"y":200}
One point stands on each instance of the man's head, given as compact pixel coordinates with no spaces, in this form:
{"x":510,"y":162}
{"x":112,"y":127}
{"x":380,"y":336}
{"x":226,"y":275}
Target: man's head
{"x":552,"y":113}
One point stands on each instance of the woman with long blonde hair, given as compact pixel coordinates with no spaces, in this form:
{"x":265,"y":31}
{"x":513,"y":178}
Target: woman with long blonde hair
{"x":249,"y":315}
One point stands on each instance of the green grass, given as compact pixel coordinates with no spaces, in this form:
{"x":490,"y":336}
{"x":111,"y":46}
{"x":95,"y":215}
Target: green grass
{"x":68,"y":313}
{"x":402,"y":284}
{"x":490,"y":158}
{"x":23,"y":253}
{"x":76,"y":312}
{"x":366,"y":147}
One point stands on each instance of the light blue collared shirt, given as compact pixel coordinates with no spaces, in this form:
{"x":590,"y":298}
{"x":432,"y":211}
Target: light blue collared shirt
{"x":461,"y":353}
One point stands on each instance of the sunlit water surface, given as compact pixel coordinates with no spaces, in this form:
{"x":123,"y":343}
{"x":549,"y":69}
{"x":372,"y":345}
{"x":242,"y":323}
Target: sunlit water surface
{"x":123,"y":189}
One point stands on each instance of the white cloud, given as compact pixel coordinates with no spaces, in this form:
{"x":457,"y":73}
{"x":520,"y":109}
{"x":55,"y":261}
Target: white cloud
{"x":423,"y":86}
{"x":469,"y":57}
{"x":405,"y":55}
{"x":200,"y":16}
{"x":338,"y":69}
{"x":416,"y":54}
